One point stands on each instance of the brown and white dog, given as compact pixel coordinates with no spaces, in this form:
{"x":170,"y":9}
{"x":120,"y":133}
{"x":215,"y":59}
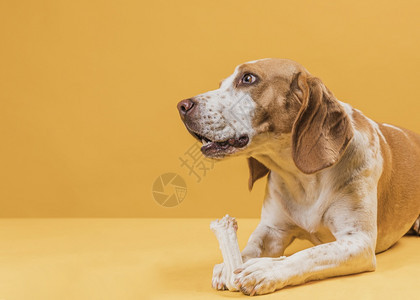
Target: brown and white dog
{"x":346,"y":183}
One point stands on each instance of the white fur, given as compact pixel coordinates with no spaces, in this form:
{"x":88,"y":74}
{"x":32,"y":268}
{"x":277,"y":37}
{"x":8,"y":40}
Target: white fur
{"x":226,"y":112}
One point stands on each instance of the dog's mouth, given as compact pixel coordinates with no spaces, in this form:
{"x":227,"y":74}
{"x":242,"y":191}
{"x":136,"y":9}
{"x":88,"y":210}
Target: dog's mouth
{"x":218,"y":149}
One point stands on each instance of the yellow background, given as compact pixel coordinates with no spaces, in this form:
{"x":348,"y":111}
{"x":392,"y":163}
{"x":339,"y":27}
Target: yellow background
{"x":151,"y":259}
{"x":88,"y":92}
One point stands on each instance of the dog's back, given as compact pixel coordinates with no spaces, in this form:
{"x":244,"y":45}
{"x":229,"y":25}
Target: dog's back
{"x":399,"y":185}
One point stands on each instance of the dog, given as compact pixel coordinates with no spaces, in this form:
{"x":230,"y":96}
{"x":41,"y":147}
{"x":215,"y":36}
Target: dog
{"x":349,"y":185}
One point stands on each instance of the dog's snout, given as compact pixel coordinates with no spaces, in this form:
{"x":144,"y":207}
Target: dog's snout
{"x":185,"y":106}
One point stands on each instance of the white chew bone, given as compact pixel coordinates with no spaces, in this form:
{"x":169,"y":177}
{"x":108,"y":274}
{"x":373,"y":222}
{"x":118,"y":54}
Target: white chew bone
{"x":225,"y":231}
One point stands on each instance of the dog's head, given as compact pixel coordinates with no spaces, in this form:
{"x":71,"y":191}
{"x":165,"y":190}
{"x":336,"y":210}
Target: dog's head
{"x":263,"y":100}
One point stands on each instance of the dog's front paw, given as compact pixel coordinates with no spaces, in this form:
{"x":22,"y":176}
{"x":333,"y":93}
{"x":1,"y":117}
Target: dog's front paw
{"x":259,"y":276}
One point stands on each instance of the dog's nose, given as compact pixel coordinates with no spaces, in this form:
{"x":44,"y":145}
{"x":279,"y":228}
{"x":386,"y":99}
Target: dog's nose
{"x":185,"y":106}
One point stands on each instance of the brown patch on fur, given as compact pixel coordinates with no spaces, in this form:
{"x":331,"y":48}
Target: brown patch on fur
{"x":322,"y":130}
{"x":399,"y":185}
{"x":277,"y":104}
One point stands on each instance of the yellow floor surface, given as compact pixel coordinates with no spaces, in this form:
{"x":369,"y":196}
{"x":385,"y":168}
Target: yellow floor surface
{"x":162,"y":259}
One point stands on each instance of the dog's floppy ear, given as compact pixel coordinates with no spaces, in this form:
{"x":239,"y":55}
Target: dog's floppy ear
{"x":322,"y":129}
{"x":256,"y":171}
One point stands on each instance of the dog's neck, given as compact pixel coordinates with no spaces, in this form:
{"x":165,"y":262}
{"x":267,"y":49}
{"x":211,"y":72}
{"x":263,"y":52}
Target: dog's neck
{"x":276,"y":154}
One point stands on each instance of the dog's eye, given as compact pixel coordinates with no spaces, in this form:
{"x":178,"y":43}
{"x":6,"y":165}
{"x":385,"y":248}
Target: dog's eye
{"x":248,"y":78}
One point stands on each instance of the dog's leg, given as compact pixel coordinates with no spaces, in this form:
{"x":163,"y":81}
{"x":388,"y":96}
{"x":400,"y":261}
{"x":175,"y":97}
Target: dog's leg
{"x":354,"y":228}
{"x":265,"y":275}
{"x":267,"y":240}
{"x":416,"y":226}
{"x":415,"y":229}
{"x":274,"y":232}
